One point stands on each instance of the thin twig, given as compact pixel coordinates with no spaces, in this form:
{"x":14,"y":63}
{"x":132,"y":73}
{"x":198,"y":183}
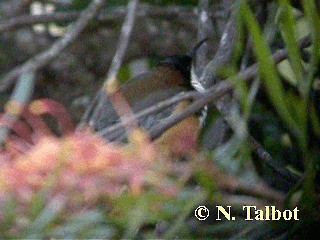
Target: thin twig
{"x":224,"y":53}
{"x":153,"y":109}
{"x":123,"y":41}
{"x":205,"y":30}
{"x":211,"y":95}
{"x":118,"y":101}
{"x":109,"y":15}
{"x":46,"y":56}
{"x":27,"y":20}
{"x":115,"y":97}
{"x":233,"y":184}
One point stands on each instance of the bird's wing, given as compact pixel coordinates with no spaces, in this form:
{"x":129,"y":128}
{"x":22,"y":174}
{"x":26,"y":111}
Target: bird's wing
{"x":147,"y":122}
{"x":105,"y":116}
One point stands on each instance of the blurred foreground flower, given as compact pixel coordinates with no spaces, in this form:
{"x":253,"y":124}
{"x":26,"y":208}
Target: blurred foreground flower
{"x":81,"y":167}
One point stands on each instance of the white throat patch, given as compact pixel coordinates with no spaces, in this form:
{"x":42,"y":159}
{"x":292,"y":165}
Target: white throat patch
{"x":199,"y":87}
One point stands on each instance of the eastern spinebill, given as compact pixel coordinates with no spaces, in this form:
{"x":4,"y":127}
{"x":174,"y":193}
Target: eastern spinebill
{"x":170,"y":77}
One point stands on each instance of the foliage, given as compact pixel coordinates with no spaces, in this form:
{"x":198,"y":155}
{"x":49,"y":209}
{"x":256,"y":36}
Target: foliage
{"x":290,"y":119}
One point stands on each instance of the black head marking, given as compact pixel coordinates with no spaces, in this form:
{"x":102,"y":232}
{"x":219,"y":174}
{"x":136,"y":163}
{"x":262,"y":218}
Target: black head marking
{"x":183,"y":63}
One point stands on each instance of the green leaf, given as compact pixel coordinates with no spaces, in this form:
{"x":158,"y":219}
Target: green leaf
{"x":37,"y":205}
{"x":130,"y":212}
{"x":313,"y":18}
{"x":287,"y":73}
{"x":287,"y":26}
{"x":47,"y":216}
{"x":87,"y":225}
{"x":124,"y":73}
{"x":297,"y":107}
{"x":205,"y":180}
{"x":8,"y":216}
{"x":315,"y":121}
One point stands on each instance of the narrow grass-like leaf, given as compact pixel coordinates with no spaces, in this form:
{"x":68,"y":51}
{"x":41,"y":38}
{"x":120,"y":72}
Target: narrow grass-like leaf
{"x":310,"y":10}
{"x":298,"y":108}
{"x":287,"y":25}
{"x":313,"y":18}
{"x":315,"y":121}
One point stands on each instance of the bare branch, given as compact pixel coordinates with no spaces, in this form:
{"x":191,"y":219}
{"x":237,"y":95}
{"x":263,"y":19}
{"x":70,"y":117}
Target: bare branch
{"x":118,"y":101}
{"x":46,"y":56}
{"x":111,"y":79}
{"x":205,"y":30}
{"x":233,"y":184}
{"x":153,"y":109}
{"x":22,"y":21}
{"x":109,"y":15}
{"x":223,"y":54}
{"x":210,"y":95}
{"x":123,"y":41}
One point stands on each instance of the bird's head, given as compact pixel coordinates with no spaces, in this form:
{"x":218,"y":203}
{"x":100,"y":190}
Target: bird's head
{"x":182,"y":63}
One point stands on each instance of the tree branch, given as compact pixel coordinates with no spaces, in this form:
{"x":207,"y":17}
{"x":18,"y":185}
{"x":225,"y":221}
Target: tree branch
{"x":205,"y":30}
{"x":111,"y":79}
{"x":233,"y":184}
{"x":46,"y":56}
{"x":153,"y":109}
{"x":111,"y":14}
{"x":123,"y":41}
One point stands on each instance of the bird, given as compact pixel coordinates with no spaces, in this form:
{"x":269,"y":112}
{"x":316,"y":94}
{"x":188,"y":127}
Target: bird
{"x":171,"y":76}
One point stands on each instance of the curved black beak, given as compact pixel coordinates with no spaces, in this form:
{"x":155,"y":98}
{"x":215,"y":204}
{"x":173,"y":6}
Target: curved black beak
{"x":193,"y":51}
